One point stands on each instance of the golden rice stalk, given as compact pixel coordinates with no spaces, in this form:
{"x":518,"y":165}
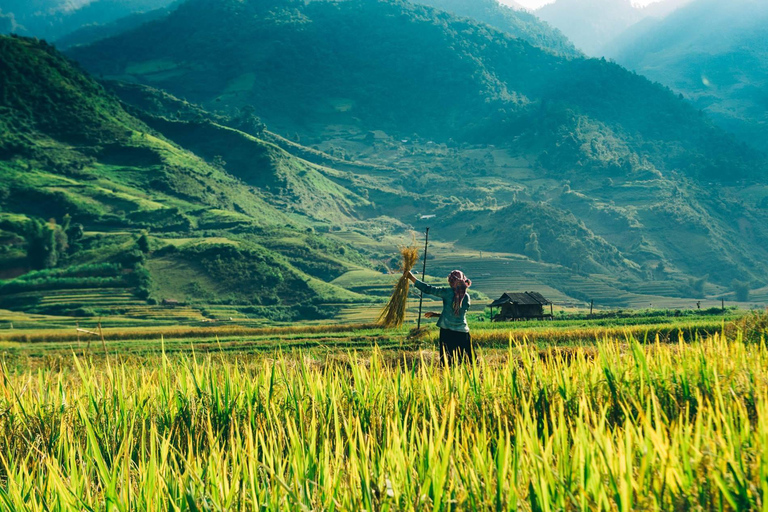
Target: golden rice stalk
{"x":393,"y":314}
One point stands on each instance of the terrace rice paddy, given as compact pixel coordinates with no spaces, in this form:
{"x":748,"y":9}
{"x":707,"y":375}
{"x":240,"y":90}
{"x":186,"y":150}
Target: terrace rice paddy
{"x":619,"y":426}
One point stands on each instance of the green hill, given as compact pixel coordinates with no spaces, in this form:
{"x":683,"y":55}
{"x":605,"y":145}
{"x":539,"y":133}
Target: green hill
{"x":54,"y":19}
{"x":518,"y":23}
{"x":359,"y":65}
{"x":70,"y":152}
{"x":616,"y":174}
{"x":275,"y":151}
{"x":90,"y":32}
{"x":713,"y":53}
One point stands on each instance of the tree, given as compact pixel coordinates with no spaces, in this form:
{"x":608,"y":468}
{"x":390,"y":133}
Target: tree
{"x":75,"y":232}
{"x":143,"y":243}
{"x":51,"y":257}
{"x":741,"y":290}
{"x":249,"y":122}
{"x":697,"y":285}
{"x":44,"y":240}
{"x":532,"y":249}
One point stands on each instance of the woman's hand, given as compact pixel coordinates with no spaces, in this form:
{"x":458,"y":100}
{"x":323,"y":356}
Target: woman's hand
{"x":410,"y":276}
{"x":431,"y":314}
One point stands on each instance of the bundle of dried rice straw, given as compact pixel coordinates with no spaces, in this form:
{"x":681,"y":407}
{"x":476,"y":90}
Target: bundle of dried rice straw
{"x":393,"y":314}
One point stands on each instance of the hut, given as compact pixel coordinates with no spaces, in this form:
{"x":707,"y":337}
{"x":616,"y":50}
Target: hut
{"x":521,"y":306}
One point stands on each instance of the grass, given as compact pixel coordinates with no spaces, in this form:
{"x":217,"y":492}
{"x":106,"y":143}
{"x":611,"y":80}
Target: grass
{"x":615,"y":426}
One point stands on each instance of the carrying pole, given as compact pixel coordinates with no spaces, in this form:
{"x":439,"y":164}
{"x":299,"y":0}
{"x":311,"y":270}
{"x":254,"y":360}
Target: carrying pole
{"x":423,"y":276}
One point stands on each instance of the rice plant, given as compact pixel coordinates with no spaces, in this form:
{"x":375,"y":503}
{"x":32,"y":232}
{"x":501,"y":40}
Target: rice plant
{"x":618,"y":426}
{"x":393,"y":313}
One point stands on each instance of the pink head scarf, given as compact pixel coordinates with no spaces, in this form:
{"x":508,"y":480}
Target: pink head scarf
{"x":459,"y":282}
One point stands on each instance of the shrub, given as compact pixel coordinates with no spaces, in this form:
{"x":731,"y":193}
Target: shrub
{"x":753,"y":327}
{"x":83,"y":312}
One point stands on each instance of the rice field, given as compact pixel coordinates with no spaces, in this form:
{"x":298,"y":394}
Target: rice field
{"x":616,"y":425}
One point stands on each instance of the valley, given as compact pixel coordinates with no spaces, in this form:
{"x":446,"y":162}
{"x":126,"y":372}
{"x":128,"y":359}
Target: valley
{"x":205,"y":204}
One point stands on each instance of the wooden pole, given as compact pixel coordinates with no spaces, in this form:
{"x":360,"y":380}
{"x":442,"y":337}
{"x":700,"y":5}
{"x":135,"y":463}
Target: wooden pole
{"x":591,"y":305}
{"x":423,"y":277}
{"x":103,"y":343}
{"x":722,"y":304}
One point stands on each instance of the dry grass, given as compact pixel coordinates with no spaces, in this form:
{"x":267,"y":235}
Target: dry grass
{"x":393,"y":314}
{"x":178,"y":332}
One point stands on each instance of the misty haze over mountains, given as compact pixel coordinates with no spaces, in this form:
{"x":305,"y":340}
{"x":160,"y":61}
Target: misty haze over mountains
{"x":53,"y":19}
{"x":592,"y":25}
{"x":713,"y":52}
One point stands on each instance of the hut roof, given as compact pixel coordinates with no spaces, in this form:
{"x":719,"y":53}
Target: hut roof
{"x":523,"y":298}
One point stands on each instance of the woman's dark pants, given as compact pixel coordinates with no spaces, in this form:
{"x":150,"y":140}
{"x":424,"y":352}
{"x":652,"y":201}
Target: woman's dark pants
{"x":455,"y":347}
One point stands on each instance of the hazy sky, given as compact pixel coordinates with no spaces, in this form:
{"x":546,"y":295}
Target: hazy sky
{"x":533,"y":4}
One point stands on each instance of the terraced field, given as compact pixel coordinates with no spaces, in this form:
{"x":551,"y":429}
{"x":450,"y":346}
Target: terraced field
{"x":494,"y":274}
{"x":99,"y":297}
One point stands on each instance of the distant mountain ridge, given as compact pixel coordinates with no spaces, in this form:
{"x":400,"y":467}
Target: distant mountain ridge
{"x":304,"y":67}
{"x":592,"y":25}
{"x":511,"y":19}
{"x":54,"y":19}
{"x":715,"y":54}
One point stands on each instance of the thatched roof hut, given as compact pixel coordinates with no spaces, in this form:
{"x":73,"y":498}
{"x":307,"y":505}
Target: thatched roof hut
{"x":520,"y":306}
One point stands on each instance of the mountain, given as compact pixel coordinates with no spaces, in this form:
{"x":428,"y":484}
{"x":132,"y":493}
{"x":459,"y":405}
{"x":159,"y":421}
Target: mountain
{"x":509,"y":19}
{"x":593,"y":24}
{"x":98,"y":202}
{"x":357,"y":65}
{"x":590,"y":23}
{"x":54,"y":19}
{"x":570,"y":161}
{"x":93,"y":32}
{"x":571,"y":173}
{"x":715,"y":54}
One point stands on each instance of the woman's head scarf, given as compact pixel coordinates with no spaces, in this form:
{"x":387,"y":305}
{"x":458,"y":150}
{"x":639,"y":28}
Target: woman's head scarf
{"x":459,"y":282}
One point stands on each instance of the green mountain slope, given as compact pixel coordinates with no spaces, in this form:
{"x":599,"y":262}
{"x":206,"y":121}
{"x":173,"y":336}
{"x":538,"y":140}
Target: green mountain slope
{"x":358,"y":65}
{"x":54,"y":19}
{"x":610,"y":173}
{"x":70,"y":152}
{"x":110,"y":26}
{"x":716,"y":55}
{"x":518,"y":23}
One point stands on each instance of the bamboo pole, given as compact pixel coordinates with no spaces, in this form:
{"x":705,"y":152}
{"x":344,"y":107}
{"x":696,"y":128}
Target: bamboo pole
{"x":423,"y":277}
{"x":103,"y":343}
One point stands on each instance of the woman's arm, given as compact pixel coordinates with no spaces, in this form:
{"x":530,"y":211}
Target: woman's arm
{"x":424,"y":287}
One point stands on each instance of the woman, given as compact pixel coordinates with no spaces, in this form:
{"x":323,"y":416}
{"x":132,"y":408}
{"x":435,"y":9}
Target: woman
{"x":455,"y":341}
